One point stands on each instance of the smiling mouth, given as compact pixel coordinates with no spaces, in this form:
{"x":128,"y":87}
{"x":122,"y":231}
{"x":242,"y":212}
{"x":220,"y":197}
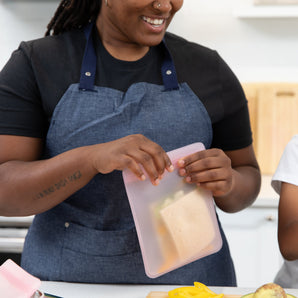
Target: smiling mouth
{"x":153,"y":22}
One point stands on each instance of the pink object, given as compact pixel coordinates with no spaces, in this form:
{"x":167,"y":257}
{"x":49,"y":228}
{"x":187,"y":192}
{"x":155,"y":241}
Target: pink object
{"x":15,"y":282}
{"x":175,"y":221}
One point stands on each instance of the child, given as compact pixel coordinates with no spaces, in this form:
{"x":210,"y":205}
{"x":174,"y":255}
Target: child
{"x":285,"y":183}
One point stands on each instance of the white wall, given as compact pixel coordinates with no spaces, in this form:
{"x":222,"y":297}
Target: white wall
{"x":258,"y":49}
{"x":22,"y":20}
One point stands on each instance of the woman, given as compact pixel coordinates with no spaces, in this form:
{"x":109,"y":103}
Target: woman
{"x":109,"y":90}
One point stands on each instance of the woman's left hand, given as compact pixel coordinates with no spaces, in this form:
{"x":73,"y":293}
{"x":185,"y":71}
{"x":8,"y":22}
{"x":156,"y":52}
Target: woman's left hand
{"x":210,"y":169}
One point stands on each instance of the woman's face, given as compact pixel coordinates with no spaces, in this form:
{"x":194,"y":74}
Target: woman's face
{"x":141,"y":22}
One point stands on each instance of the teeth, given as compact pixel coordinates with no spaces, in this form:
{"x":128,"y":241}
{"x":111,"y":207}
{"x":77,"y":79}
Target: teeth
{"x":155,"y":22}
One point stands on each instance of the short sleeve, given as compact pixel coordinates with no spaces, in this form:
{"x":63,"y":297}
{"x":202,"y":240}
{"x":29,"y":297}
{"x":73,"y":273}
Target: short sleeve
{"x":21,"y":110}
{"x":287,"y":169}
{"x":231,"y":129}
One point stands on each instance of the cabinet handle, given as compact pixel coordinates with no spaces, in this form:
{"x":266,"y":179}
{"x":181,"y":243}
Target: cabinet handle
{"x":285,"y":93}
{"x":270,"y":217}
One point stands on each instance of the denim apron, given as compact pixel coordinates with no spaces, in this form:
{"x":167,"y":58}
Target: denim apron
{"x":91,"y":236}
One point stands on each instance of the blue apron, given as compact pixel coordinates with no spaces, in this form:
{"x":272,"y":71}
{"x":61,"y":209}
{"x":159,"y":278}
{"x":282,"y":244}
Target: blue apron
{"x":91,"y":236}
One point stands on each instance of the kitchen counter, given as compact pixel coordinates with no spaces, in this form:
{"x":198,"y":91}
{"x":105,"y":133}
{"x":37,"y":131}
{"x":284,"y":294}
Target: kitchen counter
{"x":76,"y":290}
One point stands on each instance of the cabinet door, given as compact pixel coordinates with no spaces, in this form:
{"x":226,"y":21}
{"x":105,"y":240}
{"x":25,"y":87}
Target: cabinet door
{"x":273,"y":114}
{"x":277,"y":123}
{"x":252,"y":236}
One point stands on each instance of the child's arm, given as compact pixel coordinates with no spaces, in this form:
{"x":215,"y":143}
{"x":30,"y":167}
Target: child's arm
{"x":288,"y":221}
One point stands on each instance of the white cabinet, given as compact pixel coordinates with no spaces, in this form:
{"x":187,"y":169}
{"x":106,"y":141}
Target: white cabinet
{"x":252,"y":236}
{"x":250,"y":9}
{"x":266,"y":11}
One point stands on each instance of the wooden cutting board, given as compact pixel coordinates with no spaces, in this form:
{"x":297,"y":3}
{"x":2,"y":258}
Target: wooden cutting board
{"x":156,"y":294}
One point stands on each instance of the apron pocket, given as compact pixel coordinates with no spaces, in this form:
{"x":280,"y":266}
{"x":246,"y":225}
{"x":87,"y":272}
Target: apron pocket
{"x":96,"y":256}
{"x":80,"y":267}
{"x":93,"y":242}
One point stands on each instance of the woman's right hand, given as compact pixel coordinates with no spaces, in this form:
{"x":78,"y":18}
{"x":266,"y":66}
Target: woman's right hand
{"x":135,"y":152}
{"x":30,"y":185}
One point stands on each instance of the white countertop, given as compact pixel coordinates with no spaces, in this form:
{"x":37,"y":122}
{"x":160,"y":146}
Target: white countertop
{"x":77,"y":290}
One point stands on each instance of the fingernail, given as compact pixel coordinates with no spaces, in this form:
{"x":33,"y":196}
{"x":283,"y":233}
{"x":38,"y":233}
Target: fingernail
{"x":182,"y":172}
{"x":143,"y":177}
{"x":181,"y":162}
{"x":188,"y":179}
{"x":156,"y":181}
{"x":171,"y":168}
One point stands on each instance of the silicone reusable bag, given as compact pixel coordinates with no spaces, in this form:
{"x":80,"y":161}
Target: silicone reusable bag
{"x":15,"y":282}
{"x":175,"y":221}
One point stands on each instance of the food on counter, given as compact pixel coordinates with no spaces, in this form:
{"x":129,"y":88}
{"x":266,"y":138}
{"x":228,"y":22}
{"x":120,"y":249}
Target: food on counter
{"x":199,"y":290}
{"x":187,"y":220}
{"x":269,"y":290}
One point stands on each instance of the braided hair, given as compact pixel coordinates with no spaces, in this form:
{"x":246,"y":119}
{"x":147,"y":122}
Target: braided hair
{"x":73,"y":14}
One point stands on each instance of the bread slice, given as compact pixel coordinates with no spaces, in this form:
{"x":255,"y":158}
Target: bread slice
{"x":189,"y":223}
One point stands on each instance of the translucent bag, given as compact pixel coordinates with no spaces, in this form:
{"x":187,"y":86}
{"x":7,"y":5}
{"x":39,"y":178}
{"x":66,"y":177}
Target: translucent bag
{"x":175,"y":221}
{"x":15,"y":282}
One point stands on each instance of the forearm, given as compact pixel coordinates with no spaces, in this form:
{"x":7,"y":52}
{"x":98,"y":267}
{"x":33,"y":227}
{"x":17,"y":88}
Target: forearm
{"x":246,"y":184}
{"x":288,"y":241}
{"x":28,"y":188}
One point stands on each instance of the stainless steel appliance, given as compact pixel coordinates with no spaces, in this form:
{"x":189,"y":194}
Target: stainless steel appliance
{"x":13,"y":231}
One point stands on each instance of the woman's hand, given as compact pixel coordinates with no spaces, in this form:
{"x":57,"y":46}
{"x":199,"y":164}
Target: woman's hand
{"x":211,"y":169}
{"x":135,"y":152}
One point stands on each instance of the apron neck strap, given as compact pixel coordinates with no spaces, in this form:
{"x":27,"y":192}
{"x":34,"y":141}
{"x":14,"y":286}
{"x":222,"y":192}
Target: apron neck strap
{"x":168,"y":70}
{"x":88,"y":69}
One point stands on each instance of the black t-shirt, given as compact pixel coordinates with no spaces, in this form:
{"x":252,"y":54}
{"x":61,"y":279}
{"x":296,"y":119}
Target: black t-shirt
{"x":40,"y":71}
